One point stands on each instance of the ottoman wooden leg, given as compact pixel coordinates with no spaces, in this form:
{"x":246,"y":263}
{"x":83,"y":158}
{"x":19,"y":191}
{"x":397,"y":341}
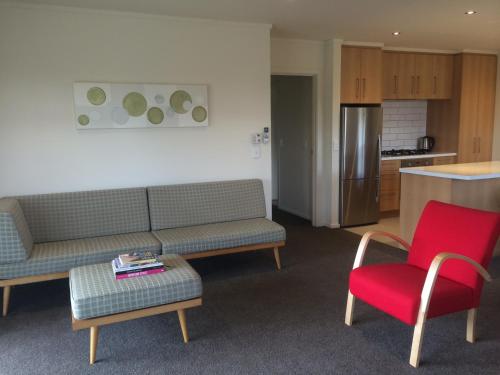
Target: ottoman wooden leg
{"x":182,"y":321}
{"x":277,"y":257}
{"x":94,"y":335}
{"x":6,"y":297}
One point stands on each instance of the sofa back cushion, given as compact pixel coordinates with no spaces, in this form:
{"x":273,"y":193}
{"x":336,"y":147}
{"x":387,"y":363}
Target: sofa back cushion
{"x":67,"y":216}
{"x":15,"y":237}
{"x":175,"y":206}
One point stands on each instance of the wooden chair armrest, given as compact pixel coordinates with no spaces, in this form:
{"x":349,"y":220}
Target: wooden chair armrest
{"x":433,"y":272}
{"x":363,"y":244}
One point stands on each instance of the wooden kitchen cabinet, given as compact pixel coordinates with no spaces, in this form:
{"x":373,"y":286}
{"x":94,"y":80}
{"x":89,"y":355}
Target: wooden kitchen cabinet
{"x":389,"y":185}
{"x":361,"y":75}
{"x":417,"y":75}
{"x":424,"y":76}
{"x":442,"y":78}
{"x":390,"y":75}
{"x":444,"y":160}
{"x":464,"y":124}
{"x":477,"y":107}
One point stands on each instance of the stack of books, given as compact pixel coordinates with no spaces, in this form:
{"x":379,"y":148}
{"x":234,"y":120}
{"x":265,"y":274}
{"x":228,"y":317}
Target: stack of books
{"x":136,"y":264}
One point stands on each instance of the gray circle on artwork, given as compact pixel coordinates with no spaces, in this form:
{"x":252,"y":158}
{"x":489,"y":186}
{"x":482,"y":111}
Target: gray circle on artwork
{"x":169,"y":112}
{"x":187,"y":106}
{"x":95,"y":116}
{"x":159,"y":99}
{"x":119,"y":115}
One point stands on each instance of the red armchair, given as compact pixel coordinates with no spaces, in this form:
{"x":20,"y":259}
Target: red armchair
{"x":447,"y":261}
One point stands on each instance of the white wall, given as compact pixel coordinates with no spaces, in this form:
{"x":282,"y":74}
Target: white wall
{"x":43,"y":50}
{"x":305,"y":57}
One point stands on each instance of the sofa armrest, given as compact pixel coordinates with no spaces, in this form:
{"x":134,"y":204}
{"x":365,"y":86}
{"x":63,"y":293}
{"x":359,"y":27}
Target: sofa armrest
{"x":16,"y":241}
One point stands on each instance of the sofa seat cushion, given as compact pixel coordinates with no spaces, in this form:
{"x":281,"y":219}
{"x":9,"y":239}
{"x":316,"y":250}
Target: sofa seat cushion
{"x":61,"y":256}
{"x":95,"y":291}
{"x":230,"y":234}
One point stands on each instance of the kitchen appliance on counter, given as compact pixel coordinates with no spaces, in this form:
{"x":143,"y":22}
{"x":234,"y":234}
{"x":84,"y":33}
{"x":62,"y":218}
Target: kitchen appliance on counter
{"x":425,"y":143}
{"x":360,"y":153}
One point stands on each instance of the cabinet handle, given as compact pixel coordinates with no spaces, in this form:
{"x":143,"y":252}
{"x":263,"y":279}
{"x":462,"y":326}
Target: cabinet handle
{"x":435,"y":85}
{"x":418,"y":84}
{"x":364,"y":87}
{"x":357,"y":87}
{"x":395,"y":84}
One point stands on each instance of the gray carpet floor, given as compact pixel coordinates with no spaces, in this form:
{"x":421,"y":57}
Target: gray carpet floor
{"x":254,"y":320}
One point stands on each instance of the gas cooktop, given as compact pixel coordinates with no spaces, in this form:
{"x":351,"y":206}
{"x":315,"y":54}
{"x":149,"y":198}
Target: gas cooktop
{"x":403,"y":152}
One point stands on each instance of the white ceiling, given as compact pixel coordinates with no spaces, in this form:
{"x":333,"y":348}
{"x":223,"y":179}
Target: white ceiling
{"x":439,"y":24}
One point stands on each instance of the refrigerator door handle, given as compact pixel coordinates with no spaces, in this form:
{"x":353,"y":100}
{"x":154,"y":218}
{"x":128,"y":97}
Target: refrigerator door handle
{"x":379,"y":144}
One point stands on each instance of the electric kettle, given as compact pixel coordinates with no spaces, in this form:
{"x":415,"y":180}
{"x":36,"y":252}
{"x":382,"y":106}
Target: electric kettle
{"x":425,"y":143}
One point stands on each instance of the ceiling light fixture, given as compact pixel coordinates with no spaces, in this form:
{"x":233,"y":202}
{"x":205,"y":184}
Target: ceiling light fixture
{"x":470,"y":12}
{"x":395,"y":33}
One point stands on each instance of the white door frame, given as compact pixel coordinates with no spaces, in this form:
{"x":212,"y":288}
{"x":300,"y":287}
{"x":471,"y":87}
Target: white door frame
{"x":316,"y":94}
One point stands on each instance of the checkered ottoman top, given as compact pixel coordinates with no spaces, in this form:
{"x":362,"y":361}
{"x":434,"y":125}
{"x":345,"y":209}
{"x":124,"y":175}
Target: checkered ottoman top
{"x":95,"y":292}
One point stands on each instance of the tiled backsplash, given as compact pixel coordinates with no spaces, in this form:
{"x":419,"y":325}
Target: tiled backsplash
{"x":404,"y":122}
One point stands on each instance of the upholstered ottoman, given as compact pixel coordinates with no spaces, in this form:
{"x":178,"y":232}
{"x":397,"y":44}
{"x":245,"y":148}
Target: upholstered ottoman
{"x":98,"y":299}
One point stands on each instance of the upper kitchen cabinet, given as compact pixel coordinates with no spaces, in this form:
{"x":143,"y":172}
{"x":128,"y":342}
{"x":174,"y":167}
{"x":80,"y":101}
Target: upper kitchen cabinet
{"x":361,"y":75}
{"x":442,"y":77}
{"x":417,"y":75}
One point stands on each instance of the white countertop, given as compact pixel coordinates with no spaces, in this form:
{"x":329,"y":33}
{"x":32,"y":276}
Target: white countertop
{"x":467,"y":171}
{"x":423,"y":156}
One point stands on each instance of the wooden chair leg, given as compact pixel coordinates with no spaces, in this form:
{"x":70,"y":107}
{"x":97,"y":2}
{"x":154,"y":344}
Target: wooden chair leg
{"x":182,"y":321}
{"x":418,"y":335}
{"x":349,"y":311}
{"x":471,"y":325}
{"x":6,"y":297}
{"x":277,"y":257}
{"x":94,"y":336}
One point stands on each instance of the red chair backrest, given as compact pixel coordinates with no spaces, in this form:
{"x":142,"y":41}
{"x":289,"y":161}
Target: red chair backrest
{"x":448,"y":228}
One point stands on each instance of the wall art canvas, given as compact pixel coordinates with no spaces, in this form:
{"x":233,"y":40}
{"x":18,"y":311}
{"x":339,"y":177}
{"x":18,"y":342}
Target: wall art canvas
{"x":117,"y":105}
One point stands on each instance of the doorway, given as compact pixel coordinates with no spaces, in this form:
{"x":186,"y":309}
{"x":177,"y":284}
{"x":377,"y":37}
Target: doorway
{"x":292,"y":118}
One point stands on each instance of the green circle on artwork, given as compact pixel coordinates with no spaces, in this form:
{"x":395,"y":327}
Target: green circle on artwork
{"x":199,"y":114}
{"x":135,"y":104}
{"x":177,"y":100}
{"x":83,"y":120}
{"x":155,"y":115}
{"x":96,"y":96}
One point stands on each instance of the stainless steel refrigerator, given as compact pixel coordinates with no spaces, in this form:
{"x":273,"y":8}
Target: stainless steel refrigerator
{"x":360,"y":152}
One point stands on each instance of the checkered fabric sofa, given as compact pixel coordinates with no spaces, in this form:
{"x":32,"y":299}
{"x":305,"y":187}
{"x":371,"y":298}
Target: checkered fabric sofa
{"x":198,"y":218}
{"x":42,"y":237}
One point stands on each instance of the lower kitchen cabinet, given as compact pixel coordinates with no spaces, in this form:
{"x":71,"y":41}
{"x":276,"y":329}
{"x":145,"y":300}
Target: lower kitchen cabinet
{"x":389,"y":185}
{"x":443,"y":160}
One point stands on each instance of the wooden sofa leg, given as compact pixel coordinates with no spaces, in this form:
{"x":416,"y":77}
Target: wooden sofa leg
{"x":349,"y":311}
{"x":94,"y":336}
{"x":6,"y":298}
{"x":471,"y":325}
{"x":277,"y":257}
{"x":182,"y":321}
{"x":418,"y":335}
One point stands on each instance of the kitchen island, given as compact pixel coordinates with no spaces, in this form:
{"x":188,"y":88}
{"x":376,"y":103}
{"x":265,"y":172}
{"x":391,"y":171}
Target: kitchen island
{"x":475,"y":185}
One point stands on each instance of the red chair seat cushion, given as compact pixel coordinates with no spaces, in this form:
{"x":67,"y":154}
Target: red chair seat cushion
{"x":396,"y":289}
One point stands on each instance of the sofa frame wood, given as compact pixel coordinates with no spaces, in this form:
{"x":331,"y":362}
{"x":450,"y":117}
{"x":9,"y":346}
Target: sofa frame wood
{"x":7,"y":284}
{"x":427,"y":289}
{"x":95,"y":323}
